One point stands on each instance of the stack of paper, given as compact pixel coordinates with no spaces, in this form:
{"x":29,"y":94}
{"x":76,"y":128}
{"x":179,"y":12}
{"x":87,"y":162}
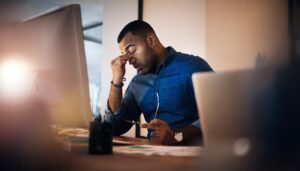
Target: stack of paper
{"x":181,"y":151}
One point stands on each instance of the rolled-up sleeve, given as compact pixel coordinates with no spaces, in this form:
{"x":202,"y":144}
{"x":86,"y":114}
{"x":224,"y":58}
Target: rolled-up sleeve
{"x":128,"y":111}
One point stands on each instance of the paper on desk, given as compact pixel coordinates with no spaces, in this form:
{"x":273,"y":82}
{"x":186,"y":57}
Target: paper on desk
{"x":180,"y":151}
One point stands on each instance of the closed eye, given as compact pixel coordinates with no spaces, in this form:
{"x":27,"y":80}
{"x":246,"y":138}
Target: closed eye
{"x":131,"y":50}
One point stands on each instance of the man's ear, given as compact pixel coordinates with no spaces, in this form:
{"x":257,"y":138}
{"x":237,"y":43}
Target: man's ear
{"x":151,"y":39}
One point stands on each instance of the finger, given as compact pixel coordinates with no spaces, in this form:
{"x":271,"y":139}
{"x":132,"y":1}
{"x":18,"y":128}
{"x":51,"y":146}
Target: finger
{"x":149,"y":126}
{"x":155,"y":134}
{"x":125,"y":57}
{"x":123,"y":62}
{"x":155,"y":140}
{"x":145,"y":125}
{"x":156,"y":122}
{"x":120,"y":57}
{"x":113,"y":61}
{"x":118,"y":62}
{"x":129,"y":55}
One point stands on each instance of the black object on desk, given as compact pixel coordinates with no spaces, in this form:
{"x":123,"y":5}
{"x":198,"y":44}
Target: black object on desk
{"x":100,"y":137}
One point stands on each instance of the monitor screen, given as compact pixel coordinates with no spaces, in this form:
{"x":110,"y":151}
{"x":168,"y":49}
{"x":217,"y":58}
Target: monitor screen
{"x":52,"y":44}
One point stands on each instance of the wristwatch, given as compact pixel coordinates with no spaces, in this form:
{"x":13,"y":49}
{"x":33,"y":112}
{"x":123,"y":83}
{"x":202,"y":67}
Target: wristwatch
{"x":119,"y":86}
{"x":178,"y":137}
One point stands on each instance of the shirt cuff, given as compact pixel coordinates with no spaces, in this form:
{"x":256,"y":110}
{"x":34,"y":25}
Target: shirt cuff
{"x":108,"y":115}
{"x":112,"y":116}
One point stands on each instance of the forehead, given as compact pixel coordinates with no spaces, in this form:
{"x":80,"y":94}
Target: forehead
{"x":129,"y":39}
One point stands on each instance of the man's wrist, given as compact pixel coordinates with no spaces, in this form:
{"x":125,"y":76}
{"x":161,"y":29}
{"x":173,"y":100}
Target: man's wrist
{"x":172,"y":140}
{"x":119,"y":85}
{"x":117,"y":80}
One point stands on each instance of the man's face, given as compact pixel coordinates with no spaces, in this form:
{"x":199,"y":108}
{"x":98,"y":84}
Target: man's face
{"x":142,"y":55}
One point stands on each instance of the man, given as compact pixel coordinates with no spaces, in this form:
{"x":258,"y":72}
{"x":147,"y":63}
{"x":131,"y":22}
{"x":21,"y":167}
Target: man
{"x":162,"y":89}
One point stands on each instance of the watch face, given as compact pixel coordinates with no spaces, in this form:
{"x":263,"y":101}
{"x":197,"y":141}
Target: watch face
{"x":178,"y":136}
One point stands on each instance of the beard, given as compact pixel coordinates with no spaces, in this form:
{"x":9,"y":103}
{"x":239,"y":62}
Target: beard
{"x":151,"y":62}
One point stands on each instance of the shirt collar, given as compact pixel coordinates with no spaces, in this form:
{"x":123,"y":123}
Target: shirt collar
{"x":168,"y":59}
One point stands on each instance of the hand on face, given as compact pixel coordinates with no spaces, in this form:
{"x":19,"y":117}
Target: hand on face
{"x":118,"y":67}
{"x":162,"y":133}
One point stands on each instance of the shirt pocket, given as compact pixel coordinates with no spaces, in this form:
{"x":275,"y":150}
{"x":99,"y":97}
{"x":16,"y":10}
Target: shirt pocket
{"x":173,"y":94}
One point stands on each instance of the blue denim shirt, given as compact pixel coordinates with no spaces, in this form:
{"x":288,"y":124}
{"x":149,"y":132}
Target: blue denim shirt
{"x":172,"y":82}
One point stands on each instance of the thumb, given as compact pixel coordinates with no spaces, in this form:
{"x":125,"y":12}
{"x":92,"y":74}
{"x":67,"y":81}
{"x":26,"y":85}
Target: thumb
{"x":145,"y":125}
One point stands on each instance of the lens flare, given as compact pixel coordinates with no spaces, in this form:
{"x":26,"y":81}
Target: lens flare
{"x":16,"y":79}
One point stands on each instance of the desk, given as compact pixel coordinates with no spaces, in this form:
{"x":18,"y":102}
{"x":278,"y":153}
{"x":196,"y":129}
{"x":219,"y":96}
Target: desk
{"x":130,"y":162}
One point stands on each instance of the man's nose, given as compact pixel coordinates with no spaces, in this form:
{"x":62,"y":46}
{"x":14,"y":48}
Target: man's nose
{"x":132,"y":60}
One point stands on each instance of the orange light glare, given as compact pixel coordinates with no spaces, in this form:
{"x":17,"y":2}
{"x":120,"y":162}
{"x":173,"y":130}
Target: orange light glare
{"x":16,"y":79}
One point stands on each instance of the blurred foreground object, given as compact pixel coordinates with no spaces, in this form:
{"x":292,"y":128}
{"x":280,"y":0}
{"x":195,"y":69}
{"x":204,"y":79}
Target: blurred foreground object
{"x":26,"y":138}
{"x":251,"y":119}
{"x":279,"y":128}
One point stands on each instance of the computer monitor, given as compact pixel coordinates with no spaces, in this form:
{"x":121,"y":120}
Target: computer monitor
{"x":53,"y":45}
